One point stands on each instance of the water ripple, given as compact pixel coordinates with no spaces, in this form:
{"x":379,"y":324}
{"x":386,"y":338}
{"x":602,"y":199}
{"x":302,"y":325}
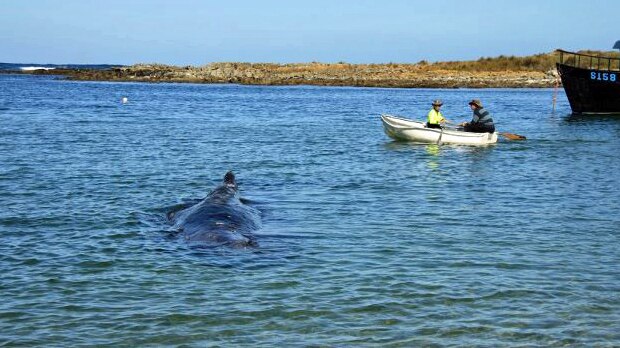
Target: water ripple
{"x":365,"y":242}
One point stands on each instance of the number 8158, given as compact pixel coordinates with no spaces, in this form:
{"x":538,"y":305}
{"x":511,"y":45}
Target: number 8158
{"x":602,"y":76}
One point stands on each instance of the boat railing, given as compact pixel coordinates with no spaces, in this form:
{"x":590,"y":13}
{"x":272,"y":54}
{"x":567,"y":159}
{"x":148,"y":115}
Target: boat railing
{"x":588,"y":61}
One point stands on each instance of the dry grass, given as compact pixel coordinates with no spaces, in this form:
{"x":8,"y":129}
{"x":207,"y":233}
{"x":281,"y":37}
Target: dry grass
{"x":542,"y":62}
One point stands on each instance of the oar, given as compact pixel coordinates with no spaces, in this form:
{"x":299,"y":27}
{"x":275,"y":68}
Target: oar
{"x":440,"y":135}
{"x":512,"y":136}
{"x":509,"y":136}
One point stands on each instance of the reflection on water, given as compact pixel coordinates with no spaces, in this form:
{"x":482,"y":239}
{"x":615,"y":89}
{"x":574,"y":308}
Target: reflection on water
{"x":433,"y":151}
{"x":365,"y":241}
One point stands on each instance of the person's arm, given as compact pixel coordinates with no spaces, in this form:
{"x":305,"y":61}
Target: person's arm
{"x":474,"y":119}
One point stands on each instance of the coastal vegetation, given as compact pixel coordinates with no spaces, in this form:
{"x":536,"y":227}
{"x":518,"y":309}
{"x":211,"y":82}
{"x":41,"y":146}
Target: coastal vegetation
{"x":538,"y":62}
{"x":503,"y":71}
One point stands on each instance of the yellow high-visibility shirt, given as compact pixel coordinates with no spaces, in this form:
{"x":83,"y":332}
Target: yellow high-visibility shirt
{"x":435,"y":117}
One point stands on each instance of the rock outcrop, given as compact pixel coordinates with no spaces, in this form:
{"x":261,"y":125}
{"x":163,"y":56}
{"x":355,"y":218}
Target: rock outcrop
{"x":374,"y":75}
{"x":531,"y":71}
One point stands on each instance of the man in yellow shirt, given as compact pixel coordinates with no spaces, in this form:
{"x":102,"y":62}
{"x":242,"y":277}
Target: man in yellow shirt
{"x":435,"y":118}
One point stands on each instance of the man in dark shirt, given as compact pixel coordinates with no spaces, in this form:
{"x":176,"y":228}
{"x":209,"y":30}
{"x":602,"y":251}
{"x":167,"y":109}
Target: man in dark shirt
{"x":481,"y":122}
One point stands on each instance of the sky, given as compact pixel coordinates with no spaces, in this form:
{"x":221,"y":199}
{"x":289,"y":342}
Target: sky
{"x":193,"y":32}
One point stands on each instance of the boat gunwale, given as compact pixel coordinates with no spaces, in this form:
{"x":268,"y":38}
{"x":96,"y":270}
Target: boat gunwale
{"x":578,"y":65}
{"x":585,"y":55}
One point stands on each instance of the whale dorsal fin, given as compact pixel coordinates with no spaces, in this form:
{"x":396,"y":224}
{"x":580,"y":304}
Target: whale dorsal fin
{"x":229,"y":179}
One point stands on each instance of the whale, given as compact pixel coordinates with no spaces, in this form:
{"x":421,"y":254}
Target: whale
{"x":220,"y":219}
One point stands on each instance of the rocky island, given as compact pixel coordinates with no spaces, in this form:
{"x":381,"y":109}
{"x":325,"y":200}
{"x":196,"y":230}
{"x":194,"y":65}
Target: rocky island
{"x":503,"y":71}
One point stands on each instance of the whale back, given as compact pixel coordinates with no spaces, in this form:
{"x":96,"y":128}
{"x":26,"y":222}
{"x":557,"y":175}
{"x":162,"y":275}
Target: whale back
{"x":220,"y":218}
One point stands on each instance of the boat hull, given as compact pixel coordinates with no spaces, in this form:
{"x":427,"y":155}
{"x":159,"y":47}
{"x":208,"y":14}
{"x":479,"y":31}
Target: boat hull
{"x":591,"y":91}
{"x":408,"y":130}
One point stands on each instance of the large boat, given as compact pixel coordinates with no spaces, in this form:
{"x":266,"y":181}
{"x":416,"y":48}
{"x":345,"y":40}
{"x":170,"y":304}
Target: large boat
{"x":403,"y":129}
{"x":592,"y":83}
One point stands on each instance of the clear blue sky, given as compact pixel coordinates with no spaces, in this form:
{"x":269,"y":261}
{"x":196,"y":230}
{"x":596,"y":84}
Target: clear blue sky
{"x":197,"y":32}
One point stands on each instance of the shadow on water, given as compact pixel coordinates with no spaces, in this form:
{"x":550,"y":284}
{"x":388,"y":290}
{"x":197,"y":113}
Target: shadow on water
{"x":577,"y":118}
{"x":590,"y":128}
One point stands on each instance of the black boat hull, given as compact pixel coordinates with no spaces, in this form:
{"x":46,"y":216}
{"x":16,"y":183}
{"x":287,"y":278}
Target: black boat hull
{"x":591,"y":91}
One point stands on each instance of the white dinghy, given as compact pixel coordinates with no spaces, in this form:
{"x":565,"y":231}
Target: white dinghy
{"x":408,"y":130}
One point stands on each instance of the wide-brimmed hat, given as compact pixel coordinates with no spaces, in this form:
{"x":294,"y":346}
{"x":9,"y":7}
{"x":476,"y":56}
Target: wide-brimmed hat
{"x":437,"y":102}
{"x":476,"y":102}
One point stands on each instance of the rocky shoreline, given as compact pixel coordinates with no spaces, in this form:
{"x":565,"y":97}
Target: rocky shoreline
{"x":420,"y":75}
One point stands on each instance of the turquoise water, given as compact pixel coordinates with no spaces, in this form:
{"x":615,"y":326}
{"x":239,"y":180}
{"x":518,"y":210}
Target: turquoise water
{"x":364,"y":241}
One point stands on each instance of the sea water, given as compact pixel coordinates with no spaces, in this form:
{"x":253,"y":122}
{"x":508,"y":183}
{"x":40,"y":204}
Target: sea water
{"x":364,"y":241}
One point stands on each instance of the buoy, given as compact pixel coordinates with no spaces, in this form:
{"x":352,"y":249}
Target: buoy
{"x":124,"y":100}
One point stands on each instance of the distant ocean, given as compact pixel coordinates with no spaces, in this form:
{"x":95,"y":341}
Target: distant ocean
{"x":29,"y":66}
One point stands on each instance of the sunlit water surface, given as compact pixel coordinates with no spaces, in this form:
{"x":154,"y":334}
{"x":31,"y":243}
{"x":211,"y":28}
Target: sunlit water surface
{"x":364,"y":241}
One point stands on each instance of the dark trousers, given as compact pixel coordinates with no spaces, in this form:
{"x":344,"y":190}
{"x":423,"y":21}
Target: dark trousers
{"x":433,"y":125}
{"x":478,"y":128}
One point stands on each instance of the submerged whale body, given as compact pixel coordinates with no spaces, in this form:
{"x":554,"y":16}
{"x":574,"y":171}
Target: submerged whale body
{"x":219,"y":219}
